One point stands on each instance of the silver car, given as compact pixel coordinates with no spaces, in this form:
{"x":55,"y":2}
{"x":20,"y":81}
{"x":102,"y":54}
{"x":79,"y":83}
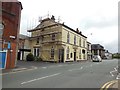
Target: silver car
{"x":96,"y":58}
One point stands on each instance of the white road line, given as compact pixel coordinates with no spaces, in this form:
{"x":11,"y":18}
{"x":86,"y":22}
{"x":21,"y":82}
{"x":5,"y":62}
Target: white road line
{"x":111,"y":73}
{"x":60,"y":65}
{"x":81,"y":68}
{"x":70,"y":70}
{"x":115,"y":69}
{"x":44,"y":67}
{"x":118,"y":76}
{"x":40,"y":78}
{"x":75,"y":69}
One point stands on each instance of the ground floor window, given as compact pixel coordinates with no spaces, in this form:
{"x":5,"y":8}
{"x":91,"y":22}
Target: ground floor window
{"x":36,"y":52}
{"x":83,"y":52}
{"x":68,"y":53}
{"x":71,"y":55}
{"x":84,"y":56}
{"x":52,"y":52}
{"x":80,"y":54}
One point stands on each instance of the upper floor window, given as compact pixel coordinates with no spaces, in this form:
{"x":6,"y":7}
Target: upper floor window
{"x":75,"y":40}
{"x":42,"y":38}
{"x":83,"y":43}
{"x":68,"y":53}
{"x":53,"y":36}
{"x":37,"y":41}
{"x":80,"y":41}
{"x":68,"y":37}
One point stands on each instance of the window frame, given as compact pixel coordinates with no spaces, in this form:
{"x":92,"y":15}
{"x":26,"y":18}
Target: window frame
{"x":67,"y":51}
{"x":36,"y":52}
{"x":52,"y":52}
{"x":53,"y":36}
{"x":74,"y":39}
{"x":68,"y":37}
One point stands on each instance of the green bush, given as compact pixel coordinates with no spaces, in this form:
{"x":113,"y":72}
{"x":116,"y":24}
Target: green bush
{"x":38,"y":59}
{"x":30,"y":57}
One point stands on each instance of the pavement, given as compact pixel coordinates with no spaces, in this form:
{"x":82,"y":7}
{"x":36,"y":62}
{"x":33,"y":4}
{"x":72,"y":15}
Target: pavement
{"x":116,"y":85}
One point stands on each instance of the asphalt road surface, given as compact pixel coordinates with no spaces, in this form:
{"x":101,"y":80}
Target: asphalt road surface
{"x":64,"y":75}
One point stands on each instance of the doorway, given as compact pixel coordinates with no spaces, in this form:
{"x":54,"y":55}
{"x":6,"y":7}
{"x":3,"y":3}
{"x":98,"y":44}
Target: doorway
{"x":61,"y":55}
{"x":74,"y":56}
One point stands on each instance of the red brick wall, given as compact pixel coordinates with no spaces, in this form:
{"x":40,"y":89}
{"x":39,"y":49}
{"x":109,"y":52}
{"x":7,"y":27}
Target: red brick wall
{"x":11,"y":13}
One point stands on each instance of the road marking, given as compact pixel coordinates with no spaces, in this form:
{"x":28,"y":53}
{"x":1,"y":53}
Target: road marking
{"x":115,"y":69}
{"x":70,"y":70}
{"x":60,"y":65}
{"x":34,"y":67}
{"x":44,"y":67}
{"x":102,"y":88}
{"x":40,"y":78}
{"x":111,"y":73}
{"x":81,"y":67}
{"x":111,"y":83}
{"x":75,"y":69}
{"x":118,"y":76}
{"x":107,"y":84}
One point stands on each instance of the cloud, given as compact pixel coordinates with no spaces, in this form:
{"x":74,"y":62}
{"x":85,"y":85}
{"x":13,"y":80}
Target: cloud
{"x":107,"y":36}
{"x":100,"y":22}
{"x":98,"y":17}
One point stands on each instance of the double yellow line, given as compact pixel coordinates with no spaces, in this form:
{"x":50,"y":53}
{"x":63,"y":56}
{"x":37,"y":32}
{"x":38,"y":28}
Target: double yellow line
{"x":108,"y":84}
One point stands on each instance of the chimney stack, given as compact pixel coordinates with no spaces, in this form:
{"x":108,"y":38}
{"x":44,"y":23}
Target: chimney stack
{"x":80,"y":32}
{"x":77,"y":30}
{"x":53,"y":18}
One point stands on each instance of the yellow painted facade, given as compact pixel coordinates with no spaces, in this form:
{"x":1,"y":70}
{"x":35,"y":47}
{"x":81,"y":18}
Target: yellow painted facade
{"x":57,"y":42}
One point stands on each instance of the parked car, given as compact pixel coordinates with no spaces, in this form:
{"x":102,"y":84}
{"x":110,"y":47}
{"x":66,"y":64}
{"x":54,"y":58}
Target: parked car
{"x":96,"y":58}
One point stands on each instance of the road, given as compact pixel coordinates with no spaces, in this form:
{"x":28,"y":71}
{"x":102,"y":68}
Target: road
{"x":64,"y":75}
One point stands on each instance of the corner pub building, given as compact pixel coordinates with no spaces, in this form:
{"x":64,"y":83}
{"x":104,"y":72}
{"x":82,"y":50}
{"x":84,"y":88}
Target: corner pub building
{"x":56,"y":42}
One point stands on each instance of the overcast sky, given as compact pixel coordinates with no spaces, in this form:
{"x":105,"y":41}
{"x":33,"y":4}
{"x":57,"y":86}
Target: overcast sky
{"x":97,"y":19}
